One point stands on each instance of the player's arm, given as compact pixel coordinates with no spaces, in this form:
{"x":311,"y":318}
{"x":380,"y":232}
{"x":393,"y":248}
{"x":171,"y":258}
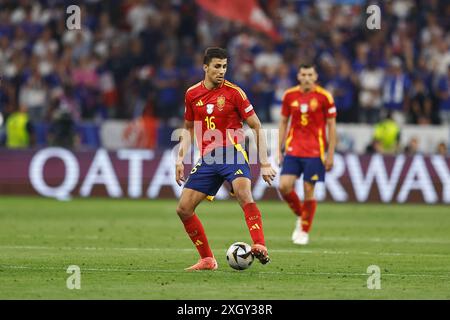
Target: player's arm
{"x":284,"y":120}
{"x":268,"y":173}
{"x":283,"y":127}
{"x":187,"y":138}
{"x":331,"y":126}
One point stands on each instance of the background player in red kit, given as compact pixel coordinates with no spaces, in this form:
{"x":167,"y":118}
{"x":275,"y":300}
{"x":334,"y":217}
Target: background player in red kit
{"x":311,"y":110}
{"x":215,"y":110}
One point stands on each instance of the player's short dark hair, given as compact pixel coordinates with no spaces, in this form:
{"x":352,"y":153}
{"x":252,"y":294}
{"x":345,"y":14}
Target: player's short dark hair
{"x":214,"y":52}
{"x":306,"y":65}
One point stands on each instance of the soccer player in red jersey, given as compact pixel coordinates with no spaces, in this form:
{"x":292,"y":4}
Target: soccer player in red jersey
{"x":214,"y":111}
{"x":311,"y":110}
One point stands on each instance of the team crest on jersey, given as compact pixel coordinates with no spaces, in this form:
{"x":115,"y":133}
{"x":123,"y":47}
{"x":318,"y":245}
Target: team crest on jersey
{"x":220,"y":102}
{"x":314,"y":104}
{"x":304,"y":108}
{"x":209,"y":108}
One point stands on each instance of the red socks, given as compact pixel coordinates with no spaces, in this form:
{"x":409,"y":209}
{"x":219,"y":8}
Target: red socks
{"x":309,"y":208}
{"x":194,"y":229}
{"x":294,"y":202}
{"x":306,"y":212}
{"x":254,"y":222}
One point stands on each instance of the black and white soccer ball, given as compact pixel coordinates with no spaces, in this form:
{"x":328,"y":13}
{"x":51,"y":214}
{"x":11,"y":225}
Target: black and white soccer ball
{"x":239,"y":256}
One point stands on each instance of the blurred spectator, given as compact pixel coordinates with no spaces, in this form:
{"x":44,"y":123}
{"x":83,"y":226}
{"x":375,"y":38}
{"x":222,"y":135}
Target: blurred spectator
{"x":138,"y":15}
{"x":142,"y":132}
{"x":431,"y":30}
{"x":262,"y":92}
{"x":167,"y":84}
{"x":19,"y":129}
{"x":69,"y":104}
{"x":343,"y":90}
{"x":361,"y":58}
{"x":45,"y":45}
{"x":396,"y":86}
{"x":268,"y":61}
{"x":444,"y":97}
{"x":442,"y":149}
{"x":34,"y":96}
{"x":374,"y":147}
{"x":387,"y":132}
{"x":421,"y":104}
{"x":282,"y":82}
{"x":370,"y":99}
{"x":62,"y":132}
{"x":412,"y":147}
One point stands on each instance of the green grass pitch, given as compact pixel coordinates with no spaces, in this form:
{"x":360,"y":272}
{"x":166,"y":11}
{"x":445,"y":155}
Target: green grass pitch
{"x":137,"y":249}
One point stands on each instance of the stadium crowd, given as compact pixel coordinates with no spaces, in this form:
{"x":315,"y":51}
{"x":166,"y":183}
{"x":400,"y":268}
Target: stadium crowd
{"x":137,"y":57}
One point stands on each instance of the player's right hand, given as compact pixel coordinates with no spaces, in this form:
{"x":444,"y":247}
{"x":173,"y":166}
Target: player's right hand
{"x":179,"y":173}
{"x":268,"y":173}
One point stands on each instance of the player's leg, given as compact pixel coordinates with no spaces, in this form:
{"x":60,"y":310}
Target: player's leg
{"x":309,"y":206}
{"x":314,"y":172}
{"x":203,"y":181}
{"x":292,"y":169}
{"x":287,"y":191}
{"x":253,"y":219}
{"x":189,"y":200}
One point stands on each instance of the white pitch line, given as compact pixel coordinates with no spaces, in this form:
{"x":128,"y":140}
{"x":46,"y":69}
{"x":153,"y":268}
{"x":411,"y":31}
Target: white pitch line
{"x":50,"y":236}
{"x":360,"y":240}
{"x":319,"y":238}
{"x":299,"y":250}
{"x":387,"y":240}
{"x":118,"y":269}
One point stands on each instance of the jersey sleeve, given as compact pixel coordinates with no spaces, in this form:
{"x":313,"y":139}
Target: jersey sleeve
{"x":330,"y":108}
{"x":188,"y":111}
{"x":285,"y":109}
{"x":244,"y":107}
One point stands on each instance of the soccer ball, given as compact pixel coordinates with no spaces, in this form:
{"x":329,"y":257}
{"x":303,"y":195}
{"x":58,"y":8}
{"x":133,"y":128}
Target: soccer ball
{"x":239,"y":256}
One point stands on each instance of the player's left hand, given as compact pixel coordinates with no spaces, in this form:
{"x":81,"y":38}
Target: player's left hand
{"x":268,"y":173}
{"x":329,"y":163}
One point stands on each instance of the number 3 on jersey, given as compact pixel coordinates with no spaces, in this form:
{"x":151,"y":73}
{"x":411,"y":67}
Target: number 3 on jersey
{"x":209,"y":123}
{"x":304,"y":119}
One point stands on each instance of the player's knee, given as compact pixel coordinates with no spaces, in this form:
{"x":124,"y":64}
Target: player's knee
{"x":244,"y":196}
{"x":309,"y":191}
{"x":183,"y":212}
{"x":285,"y":188}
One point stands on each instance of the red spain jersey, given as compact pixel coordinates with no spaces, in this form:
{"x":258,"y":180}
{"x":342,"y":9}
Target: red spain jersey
{"x":309,"y":112}
{"x":218,"y":114}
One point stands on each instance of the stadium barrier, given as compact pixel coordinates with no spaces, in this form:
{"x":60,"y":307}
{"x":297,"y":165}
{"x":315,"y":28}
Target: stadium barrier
{"x":352,"y":137}
{"x":139,"y":173}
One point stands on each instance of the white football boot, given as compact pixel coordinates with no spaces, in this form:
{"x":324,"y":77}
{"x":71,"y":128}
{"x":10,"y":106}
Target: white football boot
{"x":302,"y":238}
{"x":298,"y":228}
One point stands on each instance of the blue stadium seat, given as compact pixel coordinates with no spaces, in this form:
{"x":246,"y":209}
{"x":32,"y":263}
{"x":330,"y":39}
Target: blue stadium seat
{"x":41,"y":132}
{"x":89,"y":134}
